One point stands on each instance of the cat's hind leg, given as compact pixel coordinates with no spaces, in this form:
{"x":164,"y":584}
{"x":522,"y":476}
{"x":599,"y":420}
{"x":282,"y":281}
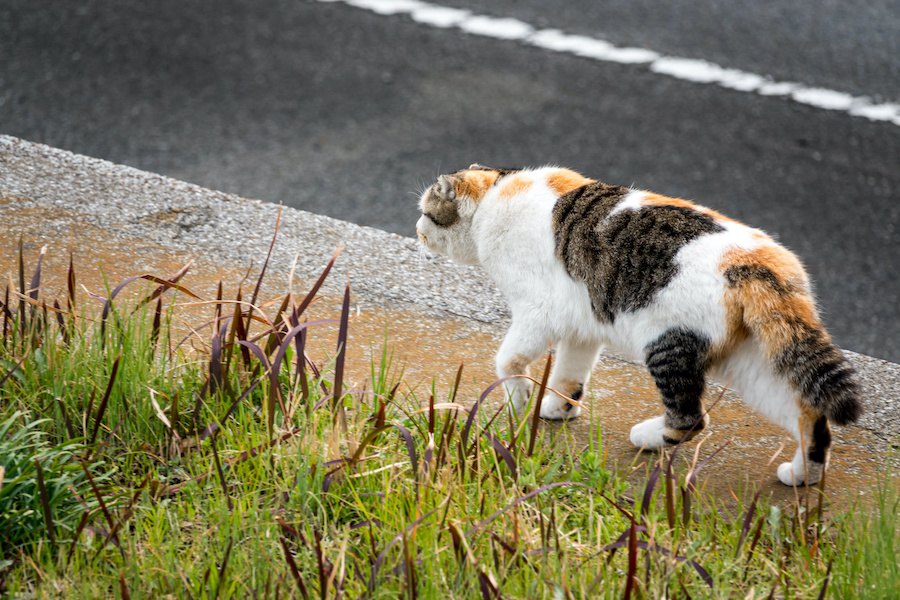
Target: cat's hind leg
{"x":750,"y":372}
{"x":522,"y":345}
{"x":571,"y":371}
{"x":813,"y":449}
{"x":677,"y":360}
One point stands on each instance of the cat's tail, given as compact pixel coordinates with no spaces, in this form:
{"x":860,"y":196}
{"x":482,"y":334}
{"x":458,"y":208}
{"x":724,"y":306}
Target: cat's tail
{"x":781,"y":316}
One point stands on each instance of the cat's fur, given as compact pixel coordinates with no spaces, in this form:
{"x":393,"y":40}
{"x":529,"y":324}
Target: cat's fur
{"x":678,"y":286}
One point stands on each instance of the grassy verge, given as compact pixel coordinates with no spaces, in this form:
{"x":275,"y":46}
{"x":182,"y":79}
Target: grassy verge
{"x":140,"y":457}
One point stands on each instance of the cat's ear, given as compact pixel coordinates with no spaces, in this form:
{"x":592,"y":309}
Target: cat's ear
{"x":445,"y":188}
{"x":477,"y":167}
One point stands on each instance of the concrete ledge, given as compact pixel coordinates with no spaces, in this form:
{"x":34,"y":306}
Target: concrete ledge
{"x":387,"y":270}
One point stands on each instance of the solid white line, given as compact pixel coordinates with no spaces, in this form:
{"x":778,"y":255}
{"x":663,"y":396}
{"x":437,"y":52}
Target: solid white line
{"x":685,"y":69}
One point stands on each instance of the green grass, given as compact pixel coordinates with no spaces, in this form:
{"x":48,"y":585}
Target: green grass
{"x":197,"y":469}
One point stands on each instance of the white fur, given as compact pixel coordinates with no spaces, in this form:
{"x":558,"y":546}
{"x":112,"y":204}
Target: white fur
{"x":649,"y":434}
{"x":512,"y":239}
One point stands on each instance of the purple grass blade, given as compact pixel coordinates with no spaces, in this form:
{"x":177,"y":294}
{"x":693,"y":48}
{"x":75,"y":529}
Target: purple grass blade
{"x":315,"y":288}
{"x":107,"y":302}
{"x":216,"y":376}
{"x":123,"y":587}
{"x":505,"y":454}
{"x":539,"y":399}
{"x":290,"y":336}
{"x":103,"y":508}
{"x":267,"y":368}
{"x":824,"y":589}
{"x":65,"y":414}
{"x":341,"y":356}
{"x":648,"y":490}
{"x":292,"y":565}
{"x":322,"y":564}
{"x":7,"y":314}
{"x":76,"y":535}
{"x":703,"y":573}
{"x":157,"y":322}
{"x":21,"y":290}
{"x":411,"y":451}
{"x":222,"y":568}
{"x":262,"y":272}
{"x":670,"y":493}
{"x":748,"y":520}
{"x":61,"y":322}
{"x":34,"y":290}
{"x":70,"y":285}
{"x":45,"y":502}
{"x":126,"y":514}
{"x":213,"y":427}
{"x":106,"y":395}
{"x":15,"y":368}
{"x":163,"y":285}
{"x":279,"y":328}
{"x":631,"y":575}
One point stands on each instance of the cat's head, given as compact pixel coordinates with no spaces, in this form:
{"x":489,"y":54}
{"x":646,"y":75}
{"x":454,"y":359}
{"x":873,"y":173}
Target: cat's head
{"x":447,"y":210}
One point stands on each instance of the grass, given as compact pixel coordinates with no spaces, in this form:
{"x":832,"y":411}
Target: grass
{"x":143,"y":458}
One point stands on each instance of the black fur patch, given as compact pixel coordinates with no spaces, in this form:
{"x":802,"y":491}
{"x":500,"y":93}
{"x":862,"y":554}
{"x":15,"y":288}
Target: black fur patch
{"x":678,"y":360}
{"x":821,"y":374}
{"x":627,"y":258}
{"x":738,"y":274}
{"x":441,"y":211}
{"x":501,"y":171}
{"x":576,"y":396}
{"x":821,"y":441}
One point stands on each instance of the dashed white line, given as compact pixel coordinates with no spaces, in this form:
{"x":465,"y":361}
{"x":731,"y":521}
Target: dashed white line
{"x":686,"y":69}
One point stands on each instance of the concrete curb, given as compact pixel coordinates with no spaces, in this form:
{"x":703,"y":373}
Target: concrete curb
{"x":385,"y":269}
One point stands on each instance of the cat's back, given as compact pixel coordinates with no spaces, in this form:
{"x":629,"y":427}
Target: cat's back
{"x":651,"y":262}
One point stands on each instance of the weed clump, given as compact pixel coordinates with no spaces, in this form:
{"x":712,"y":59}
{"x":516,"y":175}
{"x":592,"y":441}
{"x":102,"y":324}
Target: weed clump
{"x":175,"y":445}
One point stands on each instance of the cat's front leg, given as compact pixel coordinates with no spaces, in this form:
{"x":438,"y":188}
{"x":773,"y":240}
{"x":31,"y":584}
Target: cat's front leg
{"x":574,"y":361}
{"x":677,"y":361}
{"x":522,"y":345}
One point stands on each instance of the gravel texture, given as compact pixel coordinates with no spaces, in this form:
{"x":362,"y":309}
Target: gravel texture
{"x":384,"y":269}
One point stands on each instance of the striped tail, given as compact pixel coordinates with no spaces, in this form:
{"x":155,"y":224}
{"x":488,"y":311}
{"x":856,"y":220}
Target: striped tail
{"x":781,"y":315}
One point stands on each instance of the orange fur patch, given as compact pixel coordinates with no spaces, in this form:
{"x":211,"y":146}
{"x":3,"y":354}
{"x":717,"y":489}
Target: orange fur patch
{"x":736,"y":331}
{"x":568,"y":387}
{"x":774,"y":301}
{"x":659,"y":200}
{"x":513,"y":186}
{"x":564,"y":181}
{"x":779,"y":261}
{"x":518,"y":365}
{"x":474,"y":184}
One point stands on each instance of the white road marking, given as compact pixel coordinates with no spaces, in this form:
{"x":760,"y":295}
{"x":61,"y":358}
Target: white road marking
{"x":686,"y":69}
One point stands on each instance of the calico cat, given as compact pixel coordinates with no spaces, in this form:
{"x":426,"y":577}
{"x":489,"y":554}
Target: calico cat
{"x":677,"y":286}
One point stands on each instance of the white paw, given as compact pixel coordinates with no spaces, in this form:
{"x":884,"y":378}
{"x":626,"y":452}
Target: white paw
{"x":649,"y":434}
{"x":518,"y":391}
{"x":788,"y":474}
{"x":555,"y":408}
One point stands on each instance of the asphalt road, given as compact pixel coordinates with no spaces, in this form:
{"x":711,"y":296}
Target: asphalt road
{"x":340,"y":111}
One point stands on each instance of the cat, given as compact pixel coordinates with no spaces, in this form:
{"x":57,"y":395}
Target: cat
{"x":680,"y":287}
